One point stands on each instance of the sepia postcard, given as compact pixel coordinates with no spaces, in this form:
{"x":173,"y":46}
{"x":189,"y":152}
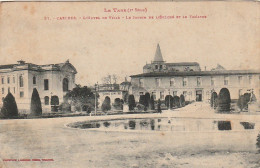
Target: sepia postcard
{"x":130,"y":84}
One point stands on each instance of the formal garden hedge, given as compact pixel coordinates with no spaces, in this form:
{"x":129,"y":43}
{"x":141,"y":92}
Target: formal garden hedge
{"x":9,"y":109}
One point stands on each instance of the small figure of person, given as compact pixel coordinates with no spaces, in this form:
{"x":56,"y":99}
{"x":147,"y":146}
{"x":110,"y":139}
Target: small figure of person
{"x":159,"y":106}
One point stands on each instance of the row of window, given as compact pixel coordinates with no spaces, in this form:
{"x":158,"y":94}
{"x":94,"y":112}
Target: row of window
{"x":13,"y":91}
{"x":46,"y":98}
{"x":199,"y":82}
{"x":9,"y":90}
{"x":9,"y":80}
{"x":46,"y":82}
{"x":174,"y":93}
{"x":46,"y":85}
{"x":185,"y":93}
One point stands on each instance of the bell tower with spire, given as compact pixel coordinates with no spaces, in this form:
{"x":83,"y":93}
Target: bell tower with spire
{"x":158,"y":55}
{"x":158,"y":64}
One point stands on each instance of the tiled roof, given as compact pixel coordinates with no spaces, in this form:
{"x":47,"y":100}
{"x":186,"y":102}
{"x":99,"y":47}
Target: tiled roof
{"x":7,"y":66}
{"x":197,"y":73}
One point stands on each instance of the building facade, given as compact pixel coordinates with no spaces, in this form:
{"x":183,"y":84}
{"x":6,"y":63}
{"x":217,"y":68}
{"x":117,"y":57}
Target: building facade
{"x":113,"y":91}
{"x":160,"y":79}
{"x":52,"y":81}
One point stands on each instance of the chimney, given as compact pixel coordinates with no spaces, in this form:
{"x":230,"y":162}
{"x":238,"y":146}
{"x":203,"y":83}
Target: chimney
{"x":205,"y":68}
{"x":21,"y":62}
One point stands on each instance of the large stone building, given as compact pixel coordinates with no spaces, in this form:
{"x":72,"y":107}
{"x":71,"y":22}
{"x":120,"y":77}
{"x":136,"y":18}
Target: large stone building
{"x":160,"y":79}
{"x":52,"y":81}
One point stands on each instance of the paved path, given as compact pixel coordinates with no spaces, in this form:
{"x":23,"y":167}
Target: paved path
{"x":50,"y":139}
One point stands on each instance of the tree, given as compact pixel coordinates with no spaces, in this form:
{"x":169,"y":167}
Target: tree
{"x":107,"y":79}
{"x":182,"y":100}
{"x":213,"y":99}
{"x":169,"y":101}
{"x":125,"y":96}
{"x":243,"y":101}
{"x":106,"y":105}
{"x":224,"y":100}
{"x":142,"y":99}
{"x":258,"y":142}
{"x":159,"y":106}
{"x":110,"y":79}
{"x":121,"y":104}
{"x":117,"y":103}
{"x":9,"y":109}
{"x":65,"y":107}
{"x":152,"y":103}
{"x":81,"y":96}
{"x":131,"y":102}
{"x":147,"y":100}
{"x":36,"y":105}
{"x":176,"y":101}
{"x":240,"y":102}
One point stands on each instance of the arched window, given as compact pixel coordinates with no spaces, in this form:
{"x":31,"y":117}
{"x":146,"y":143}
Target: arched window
{"x":46,"y":100}
{"x":34,"y":80}
{"x":65,"y":84}
{"x":21,"y":81}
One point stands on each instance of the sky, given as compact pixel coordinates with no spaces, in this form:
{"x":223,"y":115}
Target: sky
{"x":228,"y":36}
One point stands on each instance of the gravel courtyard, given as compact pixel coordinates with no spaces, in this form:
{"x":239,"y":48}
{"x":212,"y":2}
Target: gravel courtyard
{"x":51,"y":139}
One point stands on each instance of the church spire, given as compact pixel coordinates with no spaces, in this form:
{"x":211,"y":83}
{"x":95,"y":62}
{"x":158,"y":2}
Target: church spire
{"x":158,"y":55}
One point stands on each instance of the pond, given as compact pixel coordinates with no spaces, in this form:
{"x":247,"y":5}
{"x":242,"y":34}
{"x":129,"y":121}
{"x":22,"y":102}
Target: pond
{"x":169,"y":124}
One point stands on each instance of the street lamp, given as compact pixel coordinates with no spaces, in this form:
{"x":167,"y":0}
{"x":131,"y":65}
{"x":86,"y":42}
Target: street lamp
{"x":96,"y":84}
{"x":169,"y":99}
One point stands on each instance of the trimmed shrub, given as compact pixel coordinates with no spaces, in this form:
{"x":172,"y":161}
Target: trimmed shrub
{"x":117,"y":104}
{"x":65,"y":107}
{"x":169,"y":101}
{"x":240,"y":102}
{"x":36,"y":105}
{"x":176,"y":101}
{"x":131,"y":102}
{"x":140,"y":107}
{"x":224,"y":100}
{"x":152,"y":103}
{"x":125,"y":96}
{"x":182,"y":101}
{"x":132,"y":124}
{"x":106,"y":105}
{"x":121,"y":104}
{"x":147,"y":100}
{"x":159,"y":106}
{"x":142,"y":99}
{"x":258,"y":142}
{"x":214,"y":100}
{"x":87,"y":108}
{"x":9,"y":109}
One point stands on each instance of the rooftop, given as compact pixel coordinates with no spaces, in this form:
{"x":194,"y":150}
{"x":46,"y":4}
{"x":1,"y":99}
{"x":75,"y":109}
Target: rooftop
{"x":197,"y":73}
{"x":23,"y":65}
{"x":183,"y":64}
